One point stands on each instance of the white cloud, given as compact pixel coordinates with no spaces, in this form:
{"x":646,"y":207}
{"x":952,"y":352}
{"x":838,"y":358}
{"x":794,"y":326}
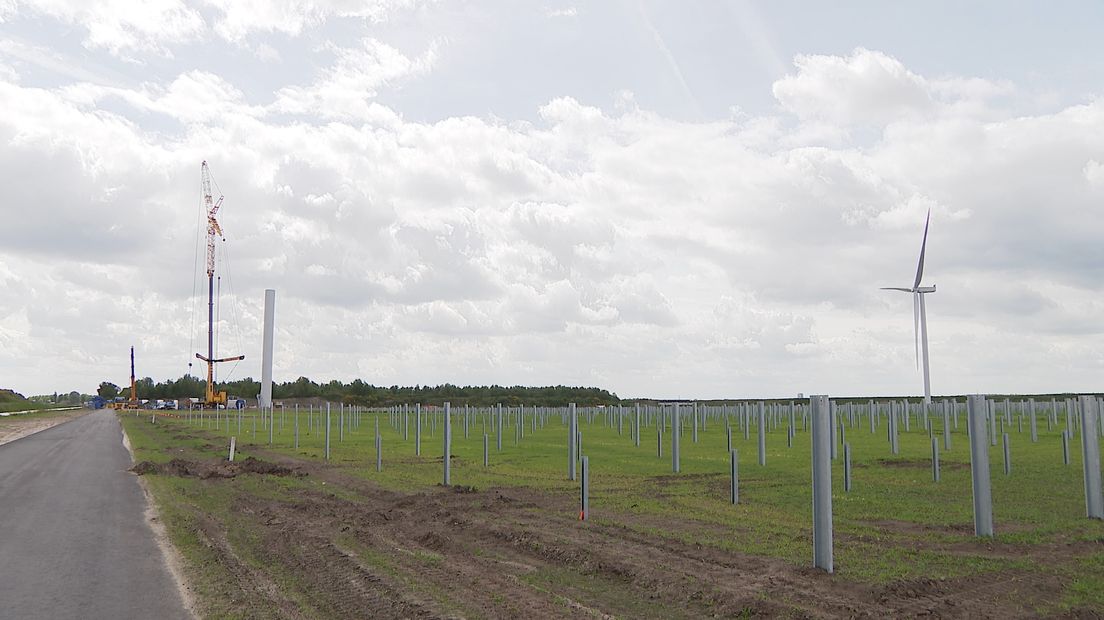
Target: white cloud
{"x":866,"y":87}
{"x":121,"y":27}
{"x":562,"y":12}
{"x":1094,"y":174}
{"x":872,"y":88}
{"x":345,"y":90}
{"x":242,"y":18}
{"x":654,"y":256}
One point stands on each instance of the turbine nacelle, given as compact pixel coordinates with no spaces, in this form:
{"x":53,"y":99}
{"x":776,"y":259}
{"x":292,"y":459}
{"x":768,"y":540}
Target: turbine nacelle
{"x":919,"y":318}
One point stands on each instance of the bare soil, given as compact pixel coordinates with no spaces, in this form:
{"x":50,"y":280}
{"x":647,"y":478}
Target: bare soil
{"x":519,"y":553}
{"x":211,"y":469}
{"x":13,"y":427}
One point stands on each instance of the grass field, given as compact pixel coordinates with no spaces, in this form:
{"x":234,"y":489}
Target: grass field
{"x":8,"y":406}
{"x":657,"y":544}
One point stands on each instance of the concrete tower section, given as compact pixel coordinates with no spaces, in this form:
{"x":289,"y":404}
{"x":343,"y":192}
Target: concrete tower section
{"x":265,"y":399}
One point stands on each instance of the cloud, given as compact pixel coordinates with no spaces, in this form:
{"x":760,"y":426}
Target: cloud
{"x":871,"y":88}
{"x":866,"y":87}
{"x":129,"y":30}
{"x":123,"y":28}
{"x":239,"y":19}
{"x":735,"y":256}
{"x":569,"y":12}
{"x":345,"y":89}
{"x":1094,"y":174}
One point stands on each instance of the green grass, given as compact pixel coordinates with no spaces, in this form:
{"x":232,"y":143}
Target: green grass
{"x":896,"y":523}
{"x":8,"y":406}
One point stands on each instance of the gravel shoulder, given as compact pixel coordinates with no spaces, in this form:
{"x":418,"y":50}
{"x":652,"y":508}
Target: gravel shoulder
{"x":14,"y":427}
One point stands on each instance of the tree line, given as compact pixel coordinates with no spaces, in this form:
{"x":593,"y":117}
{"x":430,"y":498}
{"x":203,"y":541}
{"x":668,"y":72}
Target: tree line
{"x":358,"y":392}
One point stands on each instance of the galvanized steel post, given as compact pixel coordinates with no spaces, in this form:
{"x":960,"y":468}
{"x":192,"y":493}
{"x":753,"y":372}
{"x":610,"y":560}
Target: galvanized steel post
{"x":1090,"y":457}
{"x":977,"y":410}
{"x":822,"y":482}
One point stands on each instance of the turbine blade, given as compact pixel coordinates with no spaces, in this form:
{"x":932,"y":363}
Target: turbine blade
{"x":896,"y":288}
{"x":916,"y":325}
{"x":923,"y":248}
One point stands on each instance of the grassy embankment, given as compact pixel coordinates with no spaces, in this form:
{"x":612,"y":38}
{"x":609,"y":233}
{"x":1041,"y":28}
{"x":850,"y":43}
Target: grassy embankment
{"x":895,"y":525}
{"x":12,"y":401}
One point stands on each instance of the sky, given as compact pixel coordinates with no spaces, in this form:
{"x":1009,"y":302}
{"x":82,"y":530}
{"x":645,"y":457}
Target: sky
{"x":692,"y":199}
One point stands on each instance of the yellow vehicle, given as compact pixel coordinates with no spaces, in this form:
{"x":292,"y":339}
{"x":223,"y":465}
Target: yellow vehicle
{"x":132,"y":402}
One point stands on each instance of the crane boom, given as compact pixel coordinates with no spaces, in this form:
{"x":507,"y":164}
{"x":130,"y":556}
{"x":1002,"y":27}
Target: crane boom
{"x":213,"y":228}
{"x":212,"y":398}
{"x":133,"y":384}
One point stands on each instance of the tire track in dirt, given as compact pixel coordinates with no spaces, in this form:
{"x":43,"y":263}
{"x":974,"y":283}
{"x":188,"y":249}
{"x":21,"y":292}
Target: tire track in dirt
{"x":248,"y":581}
{"x":474,"y":549}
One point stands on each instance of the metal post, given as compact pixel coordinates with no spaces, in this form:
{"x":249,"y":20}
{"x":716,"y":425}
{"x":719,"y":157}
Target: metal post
{"x":762,"y":435}
{"x":847,"y":467}
{"x":659,"y":434}
{"x":418,"y":429}
{"x":572,"y":423}
{"x":486,"y":444}
{"x":584,"y":488}
{"x":935,"y":459}
{"x":636,"y":426}
{"x":977,"y":410}
{"x":675,"y":422}
{"x":448,"y":442}
{"x":734,"y":471}
{"x":233,"y":441}
{"x":1065,"y":448}
{"x":992,"y":409}
{"x":1034,"y":428}
{"x":842,"y":438}
{"x":894,"y":439}
{"x":822,"y":482}
{"x":946,"y":427}
{"x":327,"y":431}
{"x":1007,"y":455}
{"x":498,"y":433}
{"x":1090,"y":457}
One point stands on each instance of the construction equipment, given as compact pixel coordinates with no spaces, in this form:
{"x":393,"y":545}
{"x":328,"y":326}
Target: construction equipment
{"x":212,"y":399}
{"x":132,"y":402}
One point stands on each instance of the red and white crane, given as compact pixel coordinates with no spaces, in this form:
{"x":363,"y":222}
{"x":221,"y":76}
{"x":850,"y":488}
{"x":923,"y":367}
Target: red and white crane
{"x":212,"y":398}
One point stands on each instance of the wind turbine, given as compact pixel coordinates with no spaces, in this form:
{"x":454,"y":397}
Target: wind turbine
{"x":919,"y":313}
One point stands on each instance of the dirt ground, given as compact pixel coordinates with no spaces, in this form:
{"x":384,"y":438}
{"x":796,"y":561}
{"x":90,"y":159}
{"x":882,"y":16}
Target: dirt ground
{"x":13,"y":427}
{"x":516,"y":553}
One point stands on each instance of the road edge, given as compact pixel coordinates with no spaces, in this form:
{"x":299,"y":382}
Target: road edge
{"x":169,"y":554}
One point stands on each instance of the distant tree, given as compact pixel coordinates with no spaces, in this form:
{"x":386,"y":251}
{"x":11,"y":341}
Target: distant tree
{"x":108,"y":390}
{"x":358,"y":392}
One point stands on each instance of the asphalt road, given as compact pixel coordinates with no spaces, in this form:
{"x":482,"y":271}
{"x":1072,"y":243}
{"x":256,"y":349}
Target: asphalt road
{"x":74,"y":542}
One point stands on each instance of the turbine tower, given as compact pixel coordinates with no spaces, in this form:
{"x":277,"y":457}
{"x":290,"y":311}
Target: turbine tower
{"x":919,"y":313}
